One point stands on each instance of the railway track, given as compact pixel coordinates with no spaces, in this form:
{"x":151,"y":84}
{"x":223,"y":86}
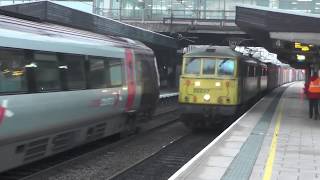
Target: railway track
{"x":166,"y":114}
{"x":169,"y":159}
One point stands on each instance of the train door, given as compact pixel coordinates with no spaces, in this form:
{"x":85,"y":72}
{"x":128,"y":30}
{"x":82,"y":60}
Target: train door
{"x":258,"y":75}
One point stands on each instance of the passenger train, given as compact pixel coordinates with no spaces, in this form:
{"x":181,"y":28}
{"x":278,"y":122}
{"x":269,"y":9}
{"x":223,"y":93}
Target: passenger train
{"x":218,"y":82}
{"x":61,"y":87}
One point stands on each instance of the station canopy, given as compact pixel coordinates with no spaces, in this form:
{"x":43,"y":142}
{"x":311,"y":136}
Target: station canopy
{"x":294,"y":37}
{"x":46,"y":11}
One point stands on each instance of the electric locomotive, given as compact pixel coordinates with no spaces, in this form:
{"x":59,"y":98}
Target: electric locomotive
{"x":216,"y":82}
{"x":61,"y":87}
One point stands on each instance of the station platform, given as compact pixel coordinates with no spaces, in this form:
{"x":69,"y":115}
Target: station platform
{"x":275,"y":140}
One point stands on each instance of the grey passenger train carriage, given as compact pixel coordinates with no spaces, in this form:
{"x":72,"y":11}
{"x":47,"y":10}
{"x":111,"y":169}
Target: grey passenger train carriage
{"x":61,"y":87}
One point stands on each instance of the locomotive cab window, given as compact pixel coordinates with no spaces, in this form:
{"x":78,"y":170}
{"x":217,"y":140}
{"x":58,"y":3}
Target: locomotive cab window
{"x":209,"y":66}
{"x":193,"y":66}
{"x":226,"y":67}
{"x":12,"y":71}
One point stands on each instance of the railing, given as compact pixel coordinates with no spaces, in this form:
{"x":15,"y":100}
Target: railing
{"x":192,"y":21}
{"x":160,"y":15}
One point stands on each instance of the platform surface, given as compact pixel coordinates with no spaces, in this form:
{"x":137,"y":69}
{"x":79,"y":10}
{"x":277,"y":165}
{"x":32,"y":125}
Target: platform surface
{"x":275,"y":139}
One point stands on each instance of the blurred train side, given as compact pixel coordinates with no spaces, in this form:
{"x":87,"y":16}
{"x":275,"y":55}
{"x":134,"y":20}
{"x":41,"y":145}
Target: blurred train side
{"x":61,"y":87}
{"x":282,"y":74}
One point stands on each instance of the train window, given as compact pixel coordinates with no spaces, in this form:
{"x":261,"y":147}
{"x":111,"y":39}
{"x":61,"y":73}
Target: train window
{"x":97,"y":75}
{"x":46,"y":72}
{"x":138,"y":69}
{"x":251,"y":71}
{"x":192,"y":66}
{"x":72,"y":71}
{"x":115,"y":70}
{"x":12,"y":71}
{"x":225,"y":67}
{"x":264,"y":71}
{"x":209,"y":66}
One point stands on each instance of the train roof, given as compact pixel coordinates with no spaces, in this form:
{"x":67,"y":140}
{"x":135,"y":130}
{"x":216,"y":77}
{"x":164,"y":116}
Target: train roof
{"x":224,"y":51}
{"x":220,"y":51}
{"x":18,"y":33}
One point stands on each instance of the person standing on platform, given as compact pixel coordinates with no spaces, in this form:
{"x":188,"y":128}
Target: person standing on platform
{"x":313,"y":94}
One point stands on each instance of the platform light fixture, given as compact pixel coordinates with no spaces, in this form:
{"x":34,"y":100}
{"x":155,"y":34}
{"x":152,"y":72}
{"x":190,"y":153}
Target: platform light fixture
{"x":297,"y":45}
{"x":305,"y":48}
{"x":17,"y":73}
{"x":301,"y":57}
{"x":31,"y":65}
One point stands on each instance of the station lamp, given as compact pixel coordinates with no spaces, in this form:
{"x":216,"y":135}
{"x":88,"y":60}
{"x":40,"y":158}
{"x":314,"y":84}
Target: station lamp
{"x":301,"y":57}
{"x":305,"y":48}
{"x":297,"y":45}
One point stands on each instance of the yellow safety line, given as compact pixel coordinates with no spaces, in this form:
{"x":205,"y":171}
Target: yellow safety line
{"x":273,"y":147}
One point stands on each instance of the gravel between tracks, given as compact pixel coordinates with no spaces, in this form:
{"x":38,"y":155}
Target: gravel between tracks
{"x":108,"y":161}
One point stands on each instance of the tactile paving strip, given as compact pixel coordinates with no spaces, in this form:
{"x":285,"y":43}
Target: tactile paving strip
{"x":242,"y":165}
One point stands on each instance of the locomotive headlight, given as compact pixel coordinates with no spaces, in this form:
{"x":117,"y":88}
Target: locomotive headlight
{"x":218,"y":84}
{"x":197,"y":83}
{"x":206,"y":97}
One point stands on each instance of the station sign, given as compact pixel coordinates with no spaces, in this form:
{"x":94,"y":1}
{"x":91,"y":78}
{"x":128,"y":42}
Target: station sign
{"x":303,"y":47}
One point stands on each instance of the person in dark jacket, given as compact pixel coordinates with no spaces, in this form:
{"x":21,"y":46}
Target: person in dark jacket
{"x":313,"y":96}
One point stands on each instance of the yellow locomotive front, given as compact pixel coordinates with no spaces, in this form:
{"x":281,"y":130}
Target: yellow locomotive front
{"x":208,"y":88}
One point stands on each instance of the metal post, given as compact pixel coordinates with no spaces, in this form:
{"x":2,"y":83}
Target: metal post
{"x":94,"y":6}
{"x":151,"y":10}
{"x":171,"y":17}
{"x":224,"y":12}
{"x":161,"y":8}
{"x":120,"y":7}
{"x":171,"y":13}
{"x":205,"y":9}
{"x":143,"y":12}
{"x":198,"y":9}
